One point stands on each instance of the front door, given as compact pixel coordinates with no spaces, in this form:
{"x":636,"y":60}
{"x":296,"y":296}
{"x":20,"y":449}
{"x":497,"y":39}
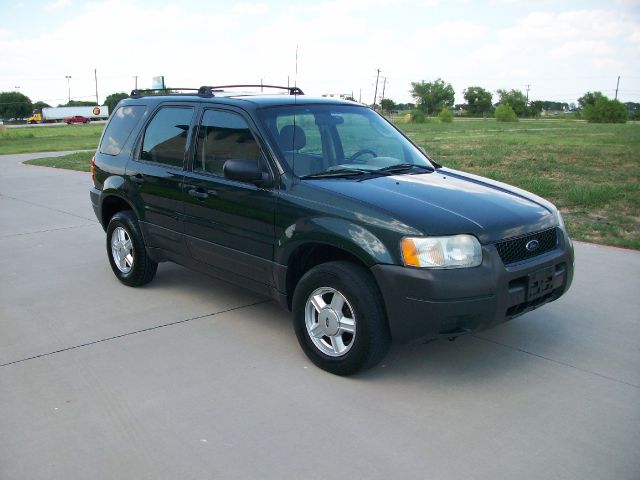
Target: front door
{"x":228,"y":224}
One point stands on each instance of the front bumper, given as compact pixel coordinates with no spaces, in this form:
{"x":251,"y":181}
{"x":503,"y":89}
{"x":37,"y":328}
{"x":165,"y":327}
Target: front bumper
{"x":424,"y":303}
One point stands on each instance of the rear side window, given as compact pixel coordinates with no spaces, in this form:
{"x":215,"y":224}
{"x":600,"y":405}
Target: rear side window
{"x":166,"y":136}
{"x":120,"y":127}
{"x":223,"y":136}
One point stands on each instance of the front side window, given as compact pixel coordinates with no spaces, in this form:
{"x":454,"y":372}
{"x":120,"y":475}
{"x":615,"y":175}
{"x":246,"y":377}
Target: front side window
{"x":221,"y":137}
{"x":330,"y":139}
{"x":120,"y":127}
{"x":166,"y":136}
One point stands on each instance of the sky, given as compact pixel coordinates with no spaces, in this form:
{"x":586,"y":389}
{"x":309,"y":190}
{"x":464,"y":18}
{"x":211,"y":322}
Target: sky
{"x":558,"y":49}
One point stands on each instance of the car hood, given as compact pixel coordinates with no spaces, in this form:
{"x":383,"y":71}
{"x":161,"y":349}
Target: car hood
{"x":447,"y":202}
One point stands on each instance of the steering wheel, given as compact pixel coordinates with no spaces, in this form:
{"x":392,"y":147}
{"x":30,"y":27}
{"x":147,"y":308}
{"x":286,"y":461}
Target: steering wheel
{"x":359,"y":153}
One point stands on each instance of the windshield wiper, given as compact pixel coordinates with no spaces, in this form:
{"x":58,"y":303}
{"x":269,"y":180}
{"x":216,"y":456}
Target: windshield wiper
{"x":339,"y":172}
{"x":401,"y":167}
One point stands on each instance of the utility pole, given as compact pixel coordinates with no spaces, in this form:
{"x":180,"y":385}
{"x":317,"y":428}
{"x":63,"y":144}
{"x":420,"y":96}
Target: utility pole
{"x":375,"y":95}
{"x":617,"y":85}
{"x":68,"y":77}
{"x":136,"y":82}
{"x":360,"y":97}
{"x":95,"y":75}
{"x":528,"y":86}
{"x":384,"y":86}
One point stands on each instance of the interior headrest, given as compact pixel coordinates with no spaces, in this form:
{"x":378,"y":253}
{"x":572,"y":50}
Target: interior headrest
{"x":292,"y":137}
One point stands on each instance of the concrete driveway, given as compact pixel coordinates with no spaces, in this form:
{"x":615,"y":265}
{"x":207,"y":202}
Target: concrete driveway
{"x":190,"y":378}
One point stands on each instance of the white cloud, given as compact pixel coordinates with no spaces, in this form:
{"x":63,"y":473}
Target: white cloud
{"x":57,"y":4}
{"x":250,"y":8}
{"x":452,"y":31}
{"x":581,"y":48}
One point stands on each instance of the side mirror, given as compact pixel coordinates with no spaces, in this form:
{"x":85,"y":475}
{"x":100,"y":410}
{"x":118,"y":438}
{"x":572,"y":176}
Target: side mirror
{"x":245,"y":170}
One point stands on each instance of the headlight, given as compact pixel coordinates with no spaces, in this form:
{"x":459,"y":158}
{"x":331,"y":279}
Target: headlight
{"x":457,"y":251}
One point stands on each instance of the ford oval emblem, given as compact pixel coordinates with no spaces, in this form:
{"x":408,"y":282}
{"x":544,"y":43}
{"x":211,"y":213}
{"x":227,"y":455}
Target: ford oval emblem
{"x":532,"y":245}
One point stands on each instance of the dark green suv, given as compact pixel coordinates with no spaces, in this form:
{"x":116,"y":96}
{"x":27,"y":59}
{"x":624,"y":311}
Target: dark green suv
{"x":326,"y":207}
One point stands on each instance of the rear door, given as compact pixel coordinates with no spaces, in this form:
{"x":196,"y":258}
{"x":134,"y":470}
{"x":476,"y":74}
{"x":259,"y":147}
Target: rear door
{"x":156,"y":174}
{"x":228,"y":224}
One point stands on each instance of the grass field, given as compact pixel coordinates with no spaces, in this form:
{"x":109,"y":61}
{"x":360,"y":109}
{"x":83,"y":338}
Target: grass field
{"x":590,"y":171}
{"x":49,"y":139}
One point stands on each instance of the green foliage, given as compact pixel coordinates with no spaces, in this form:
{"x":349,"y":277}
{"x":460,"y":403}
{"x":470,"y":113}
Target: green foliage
{"x":606,"y":111}
{"x":432,"y":96}
{"x":479,"y":100}
{"x":39,"y":105}
{"x":112,"y":100}
{"x":14,"y":105}
{"x":417,"y":116}
{"x":504,"y":113}
{"x":535,"y":109}
{"x":590,"y":98}
{"x":634,"y":110}
{"x":516,"y":100}
{"x":446,"y":115}
{"x":387,"y":104}
{"x":78,"y":103}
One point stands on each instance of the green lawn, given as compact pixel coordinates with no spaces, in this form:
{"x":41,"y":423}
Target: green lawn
{"x":50,"y":138}
{"x":590,"y":171}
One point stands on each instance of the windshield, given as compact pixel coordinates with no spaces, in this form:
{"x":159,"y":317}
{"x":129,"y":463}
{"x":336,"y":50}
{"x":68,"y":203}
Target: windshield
{"x":334,"y":139}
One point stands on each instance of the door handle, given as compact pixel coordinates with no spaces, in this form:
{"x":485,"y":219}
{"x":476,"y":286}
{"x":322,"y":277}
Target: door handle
{"x":198,"y":193}
{"x":137,"y":178}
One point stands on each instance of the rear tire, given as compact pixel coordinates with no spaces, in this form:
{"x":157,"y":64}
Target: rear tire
{"x":126,"y":251}
{"x":339,"y":318}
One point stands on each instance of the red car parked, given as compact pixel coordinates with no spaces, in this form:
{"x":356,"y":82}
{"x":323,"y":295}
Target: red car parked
{"x":76,"y":119}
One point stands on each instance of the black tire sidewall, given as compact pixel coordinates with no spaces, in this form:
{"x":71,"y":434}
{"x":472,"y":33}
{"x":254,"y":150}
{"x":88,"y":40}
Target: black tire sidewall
{"x":372,"y":335}
{"x":136,"y":276}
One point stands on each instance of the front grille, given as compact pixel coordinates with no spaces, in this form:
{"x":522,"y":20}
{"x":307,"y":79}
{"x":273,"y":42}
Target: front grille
{"x":514,"y":250}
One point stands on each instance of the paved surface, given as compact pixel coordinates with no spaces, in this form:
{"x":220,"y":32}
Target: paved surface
{"x":190,"y":378}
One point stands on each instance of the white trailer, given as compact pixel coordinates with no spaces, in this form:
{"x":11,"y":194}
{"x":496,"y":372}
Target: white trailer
{"x":59,"y":113}
{"x":55,"y":114}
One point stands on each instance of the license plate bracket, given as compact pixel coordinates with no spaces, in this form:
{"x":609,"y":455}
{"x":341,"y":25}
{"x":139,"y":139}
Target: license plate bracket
{"x":540,"y":283}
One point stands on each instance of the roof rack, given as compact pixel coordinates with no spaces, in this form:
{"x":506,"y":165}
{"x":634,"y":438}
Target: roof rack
{"x":291,"y":90}
{"x":208,"y":91}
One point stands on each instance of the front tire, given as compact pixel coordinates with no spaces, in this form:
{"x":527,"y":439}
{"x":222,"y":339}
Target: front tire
{"x":339,"y":318}
{"x":126,"y":251}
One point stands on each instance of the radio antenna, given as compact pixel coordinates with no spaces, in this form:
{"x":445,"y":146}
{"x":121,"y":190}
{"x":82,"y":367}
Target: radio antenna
{"x":295,"y":102}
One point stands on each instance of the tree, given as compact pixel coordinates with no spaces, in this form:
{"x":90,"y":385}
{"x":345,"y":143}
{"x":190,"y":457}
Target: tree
{"x":633,"y":109}
{"x":39,"y":105}
{"x":606,"y":111}
{"x":516,"y":100}
{"x":432,"y":96}
{"x":478,"y":100}
{"x":590,"y":98}
{"x":445,"y":115}
{"x":504,"y":113}
{"x":112,"y":100}
{"x":387,"y":104}
{"x":14,"y":105}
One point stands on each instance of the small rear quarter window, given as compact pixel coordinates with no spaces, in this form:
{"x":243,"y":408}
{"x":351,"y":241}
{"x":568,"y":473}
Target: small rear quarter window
{"x":120,"y":127}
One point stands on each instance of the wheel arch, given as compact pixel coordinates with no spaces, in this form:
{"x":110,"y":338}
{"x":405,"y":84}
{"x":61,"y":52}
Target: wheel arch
{"x":307,"y":255}
{"x":112,"y":204}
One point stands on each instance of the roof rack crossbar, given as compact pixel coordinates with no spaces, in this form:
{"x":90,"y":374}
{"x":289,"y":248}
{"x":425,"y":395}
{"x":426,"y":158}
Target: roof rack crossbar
{"x":291,"y":90}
